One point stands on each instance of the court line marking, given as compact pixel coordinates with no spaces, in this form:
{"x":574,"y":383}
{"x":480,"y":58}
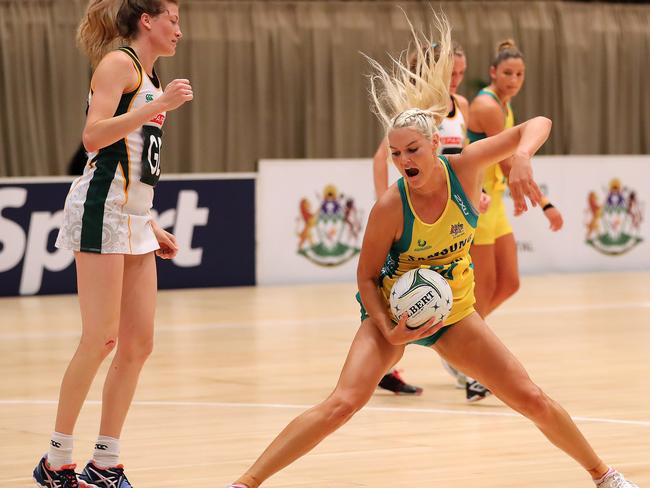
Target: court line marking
{"x":193,"y":327}
{"x":370,"y":408}
{"x":570,"y":308}
{"x":204,"y":327}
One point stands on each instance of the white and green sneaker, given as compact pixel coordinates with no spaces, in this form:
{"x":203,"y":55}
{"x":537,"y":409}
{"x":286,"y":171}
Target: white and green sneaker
{"x":614,"y":479}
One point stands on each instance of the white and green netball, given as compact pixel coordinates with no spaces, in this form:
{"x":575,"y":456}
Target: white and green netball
{"x":423,"y":294}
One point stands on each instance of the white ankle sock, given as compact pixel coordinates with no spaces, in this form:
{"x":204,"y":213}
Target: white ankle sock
{"x":60,"y":452}
{"x":600,"y":480}
{"x":107,"y":452}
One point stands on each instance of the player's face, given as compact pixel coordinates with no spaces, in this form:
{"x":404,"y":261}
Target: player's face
{"x":166,"y":30}
{"x":458,"y":73}
{"x":508,"y":76}
{"x":413,"y":154}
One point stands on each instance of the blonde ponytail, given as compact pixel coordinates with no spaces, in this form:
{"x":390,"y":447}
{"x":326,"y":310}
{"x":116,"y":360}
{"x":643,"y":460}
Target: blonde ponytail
{"x":416,"y":92}
{"x":98,"y":28}
{"x":109,"y":22}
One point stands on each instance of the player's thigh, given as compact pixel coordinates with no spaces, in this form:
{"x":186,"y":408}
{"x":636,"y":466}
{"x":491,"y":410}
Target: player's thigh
{"x":369,"y":357}
{"x":485,"y":278}
{"x":505,"y":254}
{"x":99,"y":286}
{"x":138,"y":296}
{"x":472,"y":347}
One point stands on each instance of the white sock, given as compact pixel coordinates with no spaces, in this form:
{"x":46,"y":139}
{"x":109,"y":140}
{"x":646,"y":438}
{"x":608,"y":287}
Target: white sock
{"x":609,"y":472}
{"x":60,"y":452}
{"x":107,"y":452}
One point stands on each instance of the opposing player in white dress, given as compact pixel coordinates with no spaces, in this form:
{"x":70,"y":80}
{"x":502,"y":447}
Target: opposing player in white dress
{"x":108,"y":225}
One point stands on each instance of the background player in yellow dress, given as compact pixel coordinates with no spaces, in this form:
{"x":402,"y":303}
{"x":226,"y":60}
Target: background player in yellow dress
{"x":494,"y":250}
{"x":433,"y":194}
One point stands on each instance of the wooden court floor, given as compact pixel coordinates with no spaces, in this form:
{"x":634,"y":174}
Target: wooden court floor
{"x":232,"y":366}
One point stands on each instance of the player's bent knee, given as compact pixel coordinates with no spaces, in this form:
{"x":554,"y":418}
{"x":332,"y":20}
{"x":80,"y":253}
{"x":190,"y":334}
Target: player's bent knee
{"x":511,"y":285}
{"x":99,"y":347}
{"x":343,"y":407}
{"x":109,"y":345}
{"x":136,"y":350}
{"x":506,"y":286}
{"x":533,"y":403}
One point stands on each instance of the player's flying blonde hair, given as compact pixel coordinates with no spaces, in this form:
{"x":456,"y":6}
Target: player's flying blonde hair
{"x":416,"y":94}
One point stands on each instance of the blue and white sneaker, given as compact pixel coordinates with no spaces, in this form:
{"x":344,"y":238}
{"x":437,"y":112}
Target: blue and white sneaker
{"x":64,"y":477}
{"x":95,"y":477}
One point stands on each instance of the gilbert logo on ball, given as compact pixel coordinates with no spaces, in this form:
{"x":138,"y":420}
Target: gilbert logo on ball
{"x":329,"y":233}
{"x":423,"y":294}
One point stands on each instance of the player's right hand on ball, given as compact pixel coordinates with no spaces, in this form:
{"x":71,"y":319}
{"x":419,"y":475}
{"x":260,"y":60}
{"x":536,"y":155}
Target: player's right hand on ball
{"x":176,"y":94}
{"x":400,"y":334}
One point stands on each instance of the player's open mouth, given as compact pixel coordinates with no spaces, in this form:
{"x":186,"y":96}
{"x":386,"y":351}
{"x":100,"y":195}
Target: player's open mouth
{"x":411,"y":172}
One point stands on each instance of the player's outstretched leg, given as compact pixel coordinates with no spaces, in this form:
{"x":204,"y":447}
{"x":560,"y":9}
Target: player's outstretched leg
{"x":370,"y":356}
{"x":472,"y":346}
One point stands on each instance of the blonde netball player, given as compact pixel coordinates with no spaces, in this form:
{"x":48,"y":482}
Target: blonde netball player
{"x":435,"y":193}
{"x":453,"y":136}
{"x":108,"y":225}
{"x":452,"y":129}
{"x":494,"y":250}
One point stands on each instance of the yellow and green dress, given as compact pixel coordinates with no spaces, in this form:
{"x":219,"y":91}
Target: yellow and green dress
{"x":442,"y":246}
{"x":493,"y":223}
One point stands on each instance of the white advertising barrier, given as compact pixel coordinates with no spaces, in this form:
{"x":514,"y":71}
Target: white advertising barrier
{"x":310,"y":219}
{"x":603,"y":200}
{"x":311,"y":215}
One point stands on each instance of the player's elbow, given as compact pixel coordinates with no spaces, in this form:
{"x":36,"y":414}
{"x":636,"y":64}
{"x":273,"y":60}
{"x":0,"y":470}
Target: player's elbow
{"x":364,"y":279}
{"x":548,"y":123}
{"x":89,"y":141}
